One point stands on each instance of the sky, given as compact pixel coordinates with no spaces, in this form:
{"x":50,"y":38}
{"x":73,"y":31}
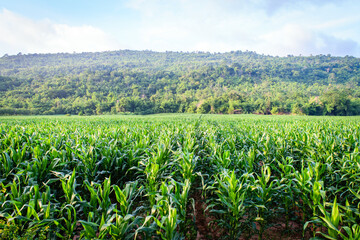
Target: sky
{"x":271,"y":27}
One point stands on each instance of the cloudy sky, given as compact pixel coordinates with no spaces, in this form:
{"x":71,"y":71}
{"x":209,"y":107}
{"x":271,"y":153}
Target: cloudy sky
{"x":275,"y":27}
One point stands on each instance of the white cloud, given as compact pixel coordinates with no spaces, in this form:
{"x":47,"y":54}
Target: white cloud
{"x":20,"y":34}
{"x":191,"y":26}
{"x":295,"y":39}
{"x":273,"y":6}
{"x":276,"y":27}
{"x":291,"y":39}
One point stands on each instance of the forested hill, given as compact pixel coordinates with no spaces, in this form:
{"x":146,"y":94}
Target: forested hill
{"x":156,"y":82}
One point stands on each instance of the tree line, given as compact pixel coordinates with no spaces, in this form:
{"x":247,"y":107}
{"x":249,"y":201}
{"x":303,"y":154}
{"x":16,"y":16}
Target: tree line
{"x":145,"y":82}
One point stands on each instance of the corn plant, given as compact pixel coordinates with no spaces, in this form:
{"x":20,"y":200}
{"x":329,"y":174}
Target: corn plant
{"x":331,"y":221}
{"x":7,"y":165}
{"x":152,"y":174}
{"x":55,"y":175}
{"x":303,"y":182}
{"x":99,"y":199}
{"x":352,"y":232}
{"x":126,"y":197}
{"x":285,"y":185}
{"x":168,"y":225}
{"x":264,"y":190}
{"x":187,"y":164}
{"x":116,"y":220}
{"x":89,"y":229}
{"x":317,"y":194}
{"x":67,"y":222}
{"x":231,"y":194}
{"x":120,"y":227}
{"x":68,"y":184}
{"x":180,"y":197}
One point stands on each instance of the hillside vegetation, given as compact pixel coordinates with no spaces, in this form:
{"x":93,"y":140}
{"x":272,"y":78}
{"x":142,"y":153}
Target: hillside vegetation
{"x":147,"y":82}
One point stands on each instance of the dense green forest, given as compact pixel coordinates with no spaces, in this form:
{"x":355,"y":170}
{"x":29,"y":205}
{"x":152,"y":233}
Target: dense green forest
{"x":145,"y":82}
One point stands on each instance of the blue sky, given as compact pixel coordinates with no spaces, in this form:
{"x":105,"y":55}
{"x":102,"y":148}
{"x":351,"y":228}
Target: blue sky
{"x":275,"y":27}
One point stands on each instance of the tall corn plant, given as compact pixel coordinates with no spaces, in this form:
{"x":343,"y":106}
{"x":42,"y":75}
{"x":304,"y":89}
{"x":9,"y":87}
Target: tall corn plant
{"x":68,"y":184}
{"x":100,"y":203}
{"x":117,"y":220}
{"x":30,"y":210}
{"x":265,"y":190}
{"x":151,"y":184}
{"x":180,"y":198}
{"x":331,"y":221}
{"x":168,"y":225}
{"x":187,"y":162}
{"x":285,"y":186}
{"x":303,"y":181}
{"x":164,"y":214}
{"x":67,"y":222}
{"x":229,"y":204}
{"x":126,"y":197}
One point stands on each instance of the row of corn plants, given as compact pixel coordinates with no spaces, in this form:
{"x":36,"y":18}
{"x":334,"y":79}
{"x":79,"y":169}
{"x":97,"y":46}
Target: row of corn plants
{"x":142,"y":177}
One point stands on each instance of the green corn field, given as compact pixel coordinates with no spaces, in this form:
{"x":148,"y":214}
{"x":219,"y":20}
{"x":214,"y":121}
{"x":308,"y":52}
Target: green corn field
{"x":179,"y":177}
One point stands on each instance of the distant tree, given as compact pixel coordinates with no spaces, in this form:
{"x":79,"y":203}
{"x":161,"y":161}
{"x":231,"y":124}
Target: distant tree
{"x":336,"y":102}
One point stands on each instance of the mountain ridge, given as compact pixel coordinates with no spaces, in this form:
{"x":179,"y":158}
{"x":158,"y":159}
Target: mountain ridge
{"x":154,"y":82}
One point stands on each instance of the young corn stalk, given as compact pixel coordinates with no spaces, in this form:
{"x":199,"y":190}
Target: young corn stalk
{"x":168,"y":225}
{"x":68,"y":184}
{"x":126,"y":197}
{"x":120,"y":227}
{"x":67,"y":223}
{"x":352,"y":232}
{"x":164,"y":214}
{"x":181,"y":197}
{"x":187,"y":164}
{"x":317,"y":196}
{"x":285,"y":186}
{"x":264,"y":190}
{"x":7,"y":165}
{"x":151,"y":184}
{"x":222,"y":159}
{"x":303,"y":181}
{"x":231,"y":192}
{"x":118,"y":221}
{"x":100,"y":198}
{"x":331,"y":221}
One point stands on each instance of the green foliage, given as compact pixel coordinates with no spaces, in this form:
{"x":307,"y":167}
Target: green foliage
{"x":231,"y":193}
{"x":157,"y":176}
{"x":146,"y":82}
{"x":9,"y":230}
